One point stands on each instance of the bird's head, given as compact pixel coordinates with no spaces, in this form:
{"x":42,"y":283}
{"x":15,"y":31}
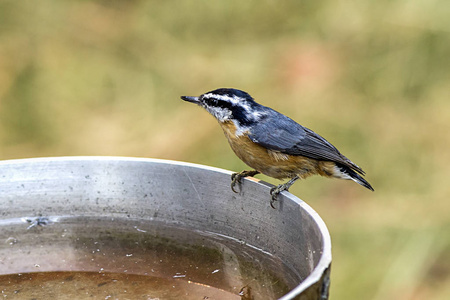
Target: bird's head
{"x":229,"y":105}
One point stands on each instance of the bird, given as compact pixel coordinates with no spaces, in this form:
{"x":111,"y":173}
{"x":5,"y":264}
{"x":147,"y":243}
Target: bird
{"x":273,"y":144}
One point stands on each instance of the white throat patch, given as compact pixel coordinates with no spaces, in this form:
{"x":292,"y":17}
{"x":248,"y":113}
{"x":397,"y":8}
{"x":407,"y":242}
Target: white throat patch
{"x":221,"y":114}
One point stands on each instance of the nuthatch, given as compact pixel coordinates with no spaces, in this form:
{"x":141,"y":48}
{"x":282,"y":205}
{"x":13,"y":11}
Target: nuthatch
{"x":272,"y":143}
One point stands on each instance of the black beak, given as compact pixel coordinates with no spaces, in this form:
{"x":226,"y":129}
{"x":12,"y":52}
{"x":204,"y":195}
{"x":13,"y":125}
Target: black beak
{"x":191,"y":99}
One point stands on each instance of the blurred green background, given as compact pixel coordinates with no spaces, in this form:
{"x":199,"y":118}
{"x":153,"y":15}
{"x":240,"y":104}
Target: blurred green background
{"x":373,"y":77}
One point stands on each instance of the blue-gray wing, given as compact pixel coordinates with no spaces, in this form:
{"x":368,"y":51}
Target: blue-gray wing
{"x":280,"y":133}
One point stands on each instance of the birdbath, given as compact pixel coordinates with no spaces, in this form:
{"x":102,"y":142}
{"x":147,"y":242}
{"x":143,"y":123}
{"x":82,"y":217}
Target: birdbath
{"x":110,"y":227}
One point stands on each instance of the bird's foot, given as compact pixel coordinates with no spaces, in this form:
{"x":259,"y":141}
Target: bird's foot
{"x":276,"y":190}
{"x":236,"y":178}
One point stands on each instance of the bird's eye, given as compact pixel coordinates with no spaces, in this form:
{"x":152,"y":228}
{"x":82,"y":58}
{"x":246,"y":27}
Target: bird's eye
{"x":211,"y":101}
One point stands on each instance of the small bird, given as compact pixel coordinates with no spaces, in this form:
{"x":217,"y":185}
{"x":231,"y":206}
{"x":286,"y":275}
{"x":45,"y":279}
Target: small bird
{"x":273,"y":144}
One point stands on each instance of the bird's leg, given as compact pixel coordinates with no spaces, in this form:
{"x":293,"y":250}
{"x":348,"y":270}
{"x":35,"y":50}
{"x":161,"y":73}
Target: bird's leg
{"x":282,"y":187}
{"x":236,"y":177}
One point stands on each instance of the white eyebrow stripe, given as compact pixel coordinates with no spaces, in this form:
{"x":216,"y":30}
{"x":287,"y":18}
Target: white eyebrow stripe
{"x":234,"y":100}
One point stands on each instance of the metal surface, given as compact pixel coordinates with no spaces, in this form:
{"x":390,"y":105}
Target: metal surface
{"x":184,"y":195}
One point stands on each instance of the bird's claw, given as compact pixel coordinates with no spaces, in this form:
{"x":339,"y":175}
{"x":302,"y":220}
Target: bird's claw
{"x":236,"y":178}
{"x":274,"y":192}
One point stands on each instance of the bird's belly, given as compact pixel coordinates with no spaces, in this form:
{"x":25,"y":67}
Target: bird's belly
{"x":271,"y":165}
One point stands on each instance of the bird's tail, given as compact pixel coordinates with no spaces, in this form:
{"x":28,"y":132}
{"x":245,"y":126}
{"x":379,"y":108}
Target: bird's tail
{"x":347,"y":173}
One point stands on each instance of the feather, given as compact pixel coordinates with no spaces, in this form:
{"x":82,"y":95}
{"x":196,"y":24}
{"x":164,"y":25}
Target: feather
{"x":277,"y":132}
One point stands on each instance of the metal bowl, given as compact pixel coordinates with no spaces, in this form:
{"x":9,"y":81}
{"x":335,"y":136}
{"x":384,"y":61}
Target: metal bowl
{"x":155,"y":220}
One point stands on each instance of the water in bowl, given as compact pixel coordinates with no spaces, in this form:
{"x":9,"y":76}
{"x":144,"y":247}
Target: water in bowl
{"x":104,"y":258}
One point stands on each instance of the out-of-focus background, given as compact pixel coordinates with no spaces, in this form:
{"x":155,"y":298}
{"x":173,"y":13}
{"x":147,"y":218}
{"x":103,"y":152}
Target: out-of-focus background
{"x":373,"y":77}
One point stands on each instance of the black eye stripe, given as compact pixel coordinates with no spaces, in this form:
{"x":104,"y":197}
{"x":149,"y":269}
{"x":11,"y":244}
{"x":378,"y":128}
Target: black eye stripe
{"x":218,"y":103}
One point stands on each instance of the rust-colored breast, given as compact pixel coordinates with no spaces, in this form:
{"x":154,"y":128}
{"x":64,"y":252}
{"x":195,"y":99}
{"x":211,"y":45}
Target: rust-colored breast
{"x":273,"y":163}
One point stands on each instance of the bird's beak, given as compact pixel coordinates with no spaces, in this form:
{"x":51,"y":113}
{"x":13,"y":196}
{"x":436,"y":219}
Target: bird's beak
{"x":191,"y":99}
